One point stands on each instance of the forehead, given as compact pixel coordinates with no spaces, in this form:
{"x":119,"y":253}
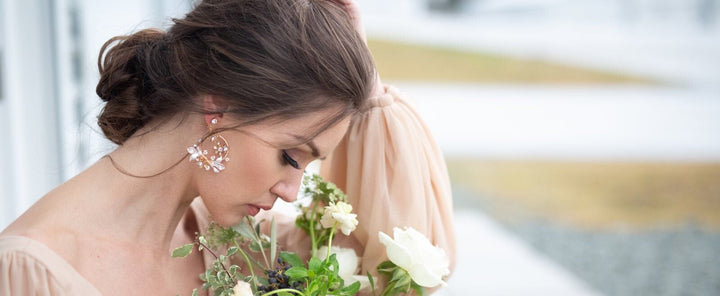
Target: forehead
{"x":301,"y":130}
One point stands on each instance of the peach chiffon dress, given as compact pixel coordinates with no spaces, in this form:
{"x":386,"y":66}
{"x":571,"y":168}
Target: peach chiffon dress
{"x":388,"y":164}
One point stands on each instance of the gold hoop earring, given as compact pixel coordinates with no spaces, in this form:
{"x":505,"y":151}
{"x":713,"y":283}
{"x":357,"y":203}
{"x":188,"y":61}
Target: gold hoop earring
{"x":219,"y":155}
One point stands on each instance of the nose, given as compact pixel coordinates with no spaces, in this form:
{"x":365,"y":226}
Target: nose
{"x":288,"y":189}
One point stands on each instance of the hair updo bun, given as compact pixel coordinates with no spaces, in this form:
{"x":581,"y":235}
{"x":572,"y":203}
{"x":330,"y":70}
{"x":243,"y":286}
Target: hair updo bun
{"x":126,"y":84}
{"x":266,"y":59}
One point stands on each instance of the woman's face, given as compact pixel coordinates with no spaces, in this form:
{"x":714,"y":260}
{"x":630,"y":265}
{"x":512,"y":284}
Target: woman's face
{"x":266,"y":162}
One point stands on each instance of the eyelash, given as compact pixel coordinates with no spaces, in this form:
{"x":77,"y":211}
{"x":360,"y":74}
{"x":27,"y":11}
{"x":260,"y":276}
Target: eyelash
{"x":289,"y":160}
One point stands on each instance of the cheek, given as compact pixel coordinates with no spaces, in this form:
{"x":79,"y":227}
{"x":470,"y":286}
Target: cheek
{"x":248,"y":176}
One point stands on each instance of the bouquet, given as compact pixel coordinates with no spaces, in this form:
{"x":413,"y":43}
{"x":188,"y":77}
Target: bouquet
{"x":414,"y":262}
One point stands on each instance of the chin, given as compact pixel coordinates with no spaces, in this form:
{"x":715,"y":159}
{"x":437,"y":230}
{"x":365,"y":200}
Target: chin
{"x":229,"y":219}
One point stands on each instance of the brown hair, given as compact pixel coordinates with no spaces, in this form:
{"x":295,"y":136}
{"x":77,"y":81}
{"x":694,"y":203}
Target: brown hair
{"x":264,"y":58}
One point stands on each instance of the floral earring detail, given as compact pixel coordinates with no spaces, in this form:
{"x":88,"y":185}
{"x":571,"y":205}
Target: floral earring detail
{"x":219,"y":154}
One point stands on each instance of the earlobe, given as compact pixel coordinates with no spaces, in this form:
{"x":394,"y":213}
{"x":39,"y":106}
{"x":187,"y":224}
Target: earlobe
{"x":213,"y":107}
{"x":212,"y":119}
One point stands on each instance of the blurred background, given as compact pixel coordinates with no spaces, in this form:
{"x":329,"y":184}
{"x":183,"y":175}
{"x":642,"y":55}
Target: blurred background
{"x":582,"y":136}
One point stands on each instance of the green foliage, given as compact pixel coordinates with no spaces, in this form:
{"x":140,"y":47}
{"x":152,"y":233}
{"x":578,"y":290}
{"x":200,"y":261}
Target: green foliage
{"x":372,"y":281}
{"x":321,"y":193}
{"x":399,"y":281}
{"x":321,"y":276}
{"x":291,"y":276}
{"x":219,"y":236}
{"x":220,"y":279}
{"x":182,"y":252}
{"x":291,"y":258}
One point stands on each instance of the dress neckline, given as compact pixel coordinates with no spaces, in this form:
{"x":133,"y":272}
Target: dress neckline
{"x":64,"y":272}
{"x":57,"y":266}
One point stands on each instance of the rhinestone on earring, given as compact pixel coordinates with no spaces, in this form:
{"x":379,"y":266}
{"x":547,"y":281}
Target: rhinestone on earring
{"x":209,"y":161}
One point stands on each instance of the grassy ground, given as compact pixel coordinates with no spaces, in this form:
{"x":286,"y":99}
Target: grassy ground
{"x":586,"y":194}
{"x":398,"y":61}
{"x":598,"y":195}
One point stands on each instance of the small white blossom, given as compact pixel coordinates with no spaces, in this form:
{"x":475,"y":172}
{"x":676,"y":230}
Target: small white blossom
{"x":341,"y":213}
{"x":412,"y":251}
{"x":242,"y":288}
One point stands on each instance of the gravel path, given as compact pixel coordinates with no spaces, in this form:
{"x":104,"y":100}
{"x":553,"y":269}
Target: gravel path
{"x":661,"y":262}
{"x":682,"y":261}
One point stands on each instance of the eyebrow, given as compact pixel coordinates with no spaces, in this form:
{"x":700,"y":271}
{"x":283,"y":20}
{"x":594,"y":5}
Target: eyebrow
{"x":311,"y":144}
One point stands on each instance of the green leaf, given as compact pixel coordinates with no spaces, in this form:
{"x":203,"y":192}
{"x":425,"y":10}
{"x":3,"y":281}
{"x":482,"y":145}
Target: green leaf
{"x":195,"y":292}
{"x":203,"y":240}
{"x":334,"y":263}
{"x":352,"y":289}
{"x":386,"y":268}
{"x":182,"y":251}
{"x":297,"y":273}
{"x":401,"y":276}
{"x":315,"y":264}
{"x":372,"y":281}
{"x":418,"y":289}
{"x":292,"y":259}
{"x":273,"y":241}
{"x":244,"y":230}
{"x":231,"y":251}
{"x":389,"y":289}
{"x":259,"y":246}
{"x":405,"y":283}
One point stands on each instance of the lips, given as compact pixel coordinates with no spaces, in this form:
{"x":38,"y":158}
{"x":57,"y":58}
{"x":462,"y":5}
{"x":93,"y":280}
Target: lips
{"x":255,"y":209}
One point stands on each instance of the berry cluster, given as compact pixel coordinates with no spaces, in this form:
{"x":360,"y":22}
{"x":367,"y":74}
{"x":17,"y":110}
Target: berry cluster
{"x":277,"y":279}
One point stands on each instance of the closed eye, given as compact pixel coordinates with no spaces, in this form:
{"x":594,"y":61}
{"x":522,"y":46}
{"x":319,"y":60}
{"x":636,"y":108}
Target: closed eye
{"x":289,"y":160}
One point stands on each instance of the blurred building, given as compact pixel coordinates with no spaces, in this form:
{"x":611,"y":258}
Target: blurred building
{"x":48,"y":72}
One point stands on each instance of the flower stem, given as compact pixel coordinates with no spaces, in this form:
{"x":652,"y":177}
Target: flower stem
{"x":330,"y":240}
{"x":278,"y":291}
{"x":259,"y":242}
{"x":216,"y":257}
{"x":312,"y":230}
{"x":247,"y":260}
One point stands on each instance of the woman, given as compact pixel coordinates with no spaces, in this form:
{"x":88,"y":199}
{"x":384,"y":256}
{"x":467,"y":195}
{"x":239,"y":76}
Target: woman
{"x":250,"y":92}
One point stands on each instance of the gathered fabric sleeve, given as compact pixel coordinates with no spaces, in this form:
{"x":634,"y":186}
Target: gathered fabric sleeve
{"x":394,"y":175}
{"x":28,"y":267}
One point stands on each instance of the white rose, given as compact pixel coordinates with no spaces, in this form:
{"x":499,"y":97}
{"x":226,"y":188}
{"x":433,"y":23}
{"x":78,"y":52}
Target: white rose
{"x":348,"y":262}
{"x":412,"y":251}
{"x":341,"y":213}
{"x":242,"y":288}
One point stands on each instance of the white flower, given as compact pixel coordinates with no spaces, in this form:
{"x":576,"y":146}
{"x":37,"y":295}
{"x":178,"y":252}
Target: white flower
{"x":412,"y":251}
{"x":346,"y":257}
{"x":242,"y":288}
{"x":348,"y":262}
{"x":341,"y":213}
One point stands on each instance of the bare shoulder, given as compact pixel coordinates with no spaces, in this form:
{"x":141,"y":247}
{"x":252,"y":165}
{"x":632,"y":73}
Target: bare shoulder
{"x":46,"y":228}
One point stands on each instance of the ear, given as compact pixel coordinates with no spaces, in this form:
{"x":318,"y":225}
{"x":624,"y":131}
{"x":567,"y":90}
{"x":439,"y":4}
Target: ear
{"x":214,"y":107}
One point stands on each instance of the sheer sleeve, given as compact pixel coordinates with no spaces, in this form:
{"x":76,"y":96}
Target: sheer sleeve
{"x":21,"y":274}
{"x":394,"y":175}
{"x":27,"y":267}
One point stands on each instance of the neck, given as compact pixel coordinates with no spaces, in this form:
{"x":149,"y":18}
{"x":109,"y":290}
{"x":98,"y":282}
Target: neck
{"x":141,"y":211}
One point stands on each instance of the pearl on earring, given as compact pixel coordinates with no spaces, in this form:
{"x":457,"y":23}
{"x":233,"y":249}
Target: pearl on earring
{"x":214,"y":121}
